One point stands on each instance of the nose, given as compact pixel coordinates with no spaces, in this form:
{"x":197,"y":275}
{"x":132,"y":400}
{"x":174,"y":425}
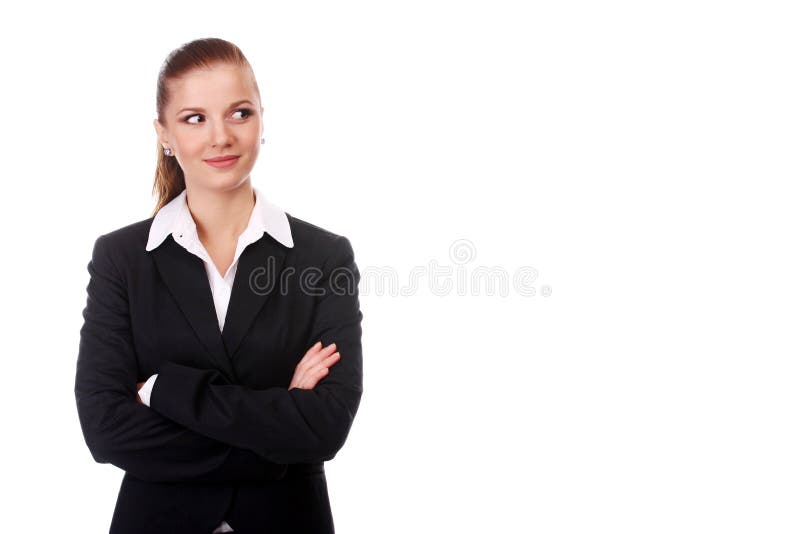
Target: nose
{"x":220,"y":134}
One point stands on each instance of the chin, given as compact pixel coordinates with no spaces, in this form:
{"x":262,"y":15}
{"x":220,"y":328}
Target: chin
{"x":229,"y":181}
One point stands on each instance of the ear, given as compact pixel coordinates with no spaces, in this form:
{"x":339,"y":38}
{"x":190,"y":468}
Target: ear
{"x":161,"y":132}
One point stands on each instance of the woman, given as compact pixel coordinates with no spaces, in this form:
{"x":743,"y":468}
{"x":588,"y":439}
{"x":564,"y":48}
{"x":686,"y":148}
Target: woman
{"x":220,"y":357}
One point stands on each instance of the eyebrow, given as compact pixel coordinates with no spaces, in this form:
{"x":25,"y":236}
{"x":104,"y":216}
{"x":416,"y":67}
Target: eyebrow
{"x":238,"y":103}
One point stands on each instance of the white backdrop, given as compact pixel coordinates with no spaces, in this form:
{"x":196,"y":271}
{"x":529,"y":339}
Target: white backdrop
{"x":640,"y":158}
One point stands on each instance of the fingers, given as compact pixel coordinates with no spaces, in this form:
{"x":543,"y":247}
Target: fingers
{"x":314,"y":365}
{"x":309,"y":379}
{"x":324,"y":359}
{"x":317,"y":348}
{"x":316,"y":354}
{"x":313,"y":377}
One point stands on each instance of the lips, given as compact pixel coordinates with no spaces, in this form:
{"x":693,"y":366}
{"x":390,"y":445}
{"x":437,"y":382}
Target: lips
{"x":223,"y":162}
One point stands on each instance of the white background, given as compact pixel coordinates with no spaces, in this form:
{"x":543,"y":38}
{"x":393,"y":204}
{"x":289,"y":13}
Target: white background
{"x":641,"y":156}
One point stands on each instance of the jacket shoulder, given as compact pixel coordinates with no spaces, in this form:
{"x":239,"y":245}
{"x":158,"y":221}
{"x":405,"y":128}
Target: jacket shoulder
{"x":310,"y":236}
{"x":128,"y":238}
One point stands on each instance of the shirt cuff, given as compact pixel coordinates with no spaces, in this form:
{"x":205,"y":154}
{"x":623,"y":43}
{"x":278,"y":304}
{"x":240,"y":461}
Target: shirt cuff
{"x":147,"y":390}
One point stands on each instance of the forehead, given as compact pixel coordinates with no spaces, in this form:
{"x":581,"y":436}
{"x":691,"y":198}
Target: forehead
{"x":221,"y":84}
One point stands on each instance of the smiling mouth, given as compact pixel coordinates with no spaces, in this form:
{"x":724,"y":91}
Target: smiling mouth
{"x":223,"y":162}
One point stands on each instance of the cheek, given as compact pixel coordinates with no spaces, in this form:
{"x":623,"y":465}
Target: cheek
{"x":190,"y":145}
{"x":250,"y":139}
{"x":249,"y":142}
{"x":253,"y":131}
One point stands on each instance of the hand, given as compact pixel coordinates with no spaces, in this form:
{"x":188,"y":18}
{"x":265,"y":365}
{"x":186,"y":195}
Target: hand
{"x":138,"y":387}
{"x":314,"y":366}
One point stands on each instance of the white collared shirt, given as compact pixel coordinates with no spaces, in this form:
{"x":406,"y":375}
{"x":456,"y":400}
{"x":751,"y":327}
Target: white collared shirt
{"x":176,"y":219}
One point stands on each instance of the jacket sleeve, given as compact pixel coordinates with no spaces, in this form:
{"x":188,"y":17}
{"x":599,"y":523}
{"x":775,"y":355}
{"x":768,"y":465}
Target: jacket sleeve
{"x":119,"y":430}
{"x":282,"y":425}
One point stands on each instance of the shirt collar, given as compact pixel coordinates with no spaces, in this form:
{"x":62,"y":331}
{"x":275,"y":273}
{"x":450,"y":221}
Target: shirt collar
{"x":175,"y":218}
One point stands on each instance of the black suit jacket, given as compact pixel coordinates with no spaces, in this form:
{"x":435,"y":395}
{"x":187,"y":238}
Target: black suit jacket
{"x":223,"y":437}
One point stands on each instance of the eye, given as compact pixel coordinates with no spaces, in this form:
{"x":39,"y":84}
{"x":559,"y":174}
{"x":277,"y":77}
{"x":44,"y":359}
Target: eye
{"x":247,"y":112}
{"x":189,"y":118}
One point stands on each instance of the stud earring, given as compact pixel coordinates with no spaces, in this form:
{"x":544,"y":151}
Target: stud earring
{"x":262,"y":141}
{"x":167,"y":151}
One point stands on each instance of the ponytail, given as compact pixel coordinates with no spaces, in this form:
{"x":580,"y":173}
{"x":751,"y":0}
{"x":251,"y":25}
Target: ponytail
{"x":169,"y":180}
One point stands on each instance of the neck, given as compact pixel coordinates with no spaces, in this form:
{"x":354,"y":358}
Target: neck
{"x":221,"y":216}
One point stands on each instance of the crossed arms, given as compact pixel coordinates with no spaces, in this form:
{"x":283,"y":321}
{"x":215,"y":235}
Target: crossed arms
{"x":199,"y":427}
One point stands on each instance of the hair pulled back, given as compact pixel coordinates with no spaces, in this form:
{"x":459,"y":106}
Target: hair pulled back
{"x":200,"y":53}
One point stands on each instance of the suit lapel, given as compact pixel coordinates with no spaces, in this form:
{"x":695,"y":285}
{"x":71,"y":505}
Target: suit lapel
{"x":257,"y":277}
{"x":185,"y":276}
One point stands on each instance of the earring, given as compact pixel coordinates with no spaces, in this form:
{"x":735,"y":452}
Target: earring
{"x":167,"y":151}
{"x":262,"y":140}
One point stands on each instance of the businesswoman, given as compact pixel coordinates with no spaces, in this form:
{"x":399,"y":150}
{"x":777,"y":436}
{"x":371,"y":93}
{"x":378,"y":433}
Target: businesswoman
{"x":220,"y":357}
